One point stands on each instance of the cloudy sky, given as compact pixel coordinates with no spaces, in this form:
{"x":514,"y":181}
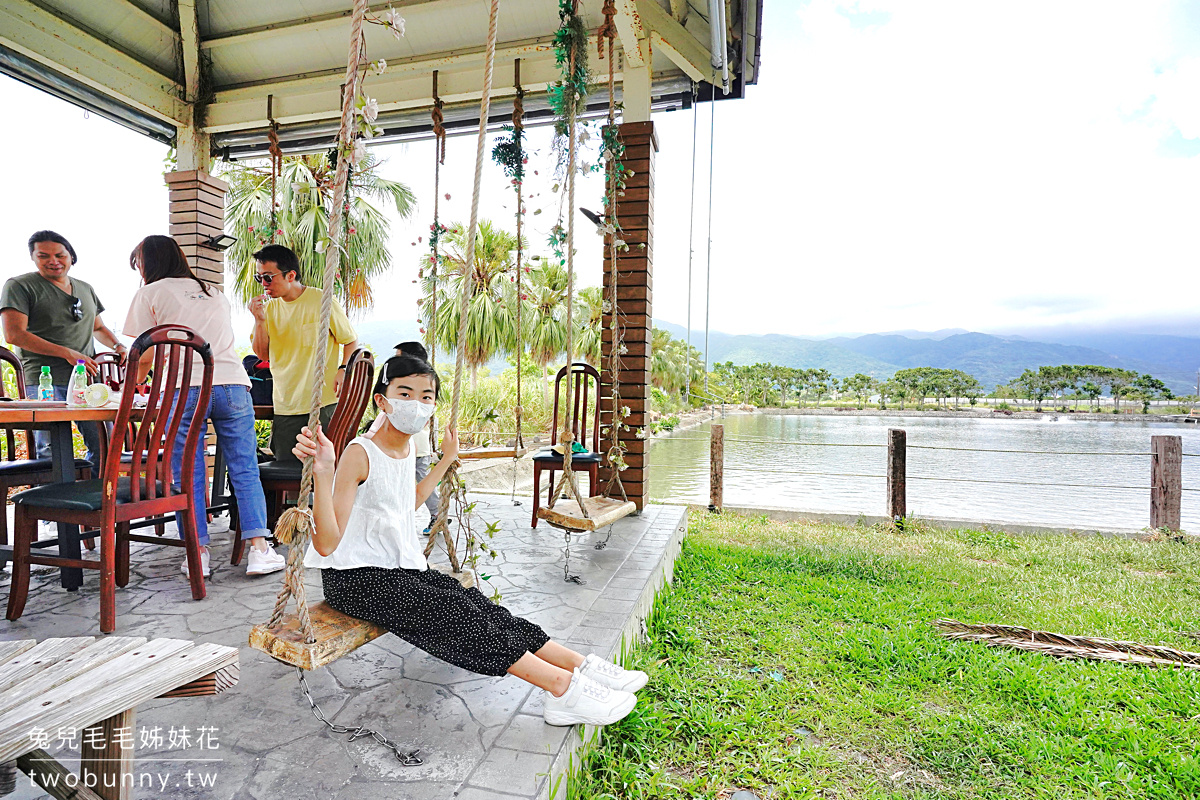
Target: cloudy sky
{"x":996,"y":166}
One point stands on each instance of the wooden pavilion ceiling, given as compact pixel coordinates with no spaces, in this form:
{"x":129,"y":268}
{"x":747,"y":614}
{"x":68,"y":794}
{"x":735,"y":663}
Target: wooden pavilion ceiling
{"x":135,"y":61}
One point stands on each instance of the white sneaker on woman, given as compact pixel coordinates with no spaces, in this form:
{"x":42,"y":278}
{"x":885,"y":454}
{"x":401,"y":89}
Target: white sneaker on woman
{"x":264,"y":562}
{"x":609,"y":674}
{"x":587,"y":702}
{"x":204,"y":568}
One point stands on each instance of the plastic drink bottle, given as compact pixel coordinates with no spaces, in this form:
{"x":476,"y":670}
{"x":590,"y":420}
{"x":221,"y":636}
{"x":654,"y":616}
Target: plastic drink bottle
{"x":46,"y":385}
{"x":76,"y":387}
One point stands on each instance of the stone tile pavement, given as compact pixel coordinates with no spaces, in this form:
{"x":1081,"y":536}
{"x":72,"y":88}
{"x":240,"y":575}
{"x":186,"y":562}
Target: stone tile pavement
{"x":480,"y":737}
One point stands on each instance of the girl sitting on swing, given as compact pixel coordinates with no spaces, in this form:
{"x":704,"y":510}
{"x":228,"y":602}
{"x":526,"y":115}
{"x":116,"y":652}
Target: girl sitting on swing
{"x":373,"y":566}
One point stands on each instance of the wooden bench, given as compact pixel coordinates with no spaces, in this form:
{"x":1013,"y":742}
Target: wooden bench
{"x":89,"y":684}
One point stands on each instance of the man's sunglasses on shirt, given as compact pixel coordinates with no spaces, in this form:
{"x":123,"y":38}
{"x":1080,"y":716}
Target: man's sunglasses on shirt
{"x":77,"y":309}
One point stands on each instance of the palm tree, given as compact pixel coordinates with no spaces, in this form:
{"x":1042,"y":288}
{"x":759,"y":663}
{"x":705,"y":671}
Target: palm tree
{"x":544,"y":317}
{"x":304,"y":190}
{"x":589,"y":314}
{"x":491,"y":312}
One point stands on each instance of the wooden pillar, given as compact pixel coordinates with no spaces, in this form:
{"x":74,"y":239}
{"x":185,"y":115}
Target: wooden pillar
{"x":635,"y":212}
{"x":1166,"y":481}
{"x":716,"y":470}
{"x":197,"y":214}
{"x":897,"y":459}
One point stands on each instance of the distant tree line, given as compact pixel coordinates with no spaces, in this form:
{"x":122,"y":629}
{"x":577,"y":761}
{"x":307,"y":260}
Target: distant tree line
{"x":1090,"y":382}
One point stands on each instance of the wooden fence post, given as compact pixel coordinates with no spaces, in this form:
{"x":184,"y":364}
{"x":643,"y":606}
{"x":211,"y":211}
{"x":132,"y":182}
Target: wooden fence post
{"x":896,"y":463}
{"x":716,"y":470}
{"x":1166,"y":481}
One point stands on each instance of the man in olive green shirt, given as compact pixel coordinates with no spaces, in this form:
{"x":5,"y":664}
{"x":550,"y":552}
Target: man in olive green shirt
{"x":53,"y":320}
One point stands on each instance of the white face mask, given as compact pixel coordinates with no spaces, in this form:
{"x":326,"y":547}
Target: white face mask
{"x":409,"y":416}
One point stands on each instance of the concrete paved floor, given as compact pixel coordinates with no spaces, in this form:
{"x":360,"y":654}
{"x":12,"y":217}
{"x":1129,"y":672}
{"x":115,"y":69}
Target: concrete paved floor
{"x":481,"y":737}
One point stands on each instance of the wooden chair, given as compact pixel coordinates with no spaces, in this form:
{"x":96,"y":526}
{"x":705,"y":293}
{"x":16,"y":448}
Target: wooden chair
{"x":112,"y":371}
{"x":278,"y":479}
{"x":112,"y":374}
{"x":110,"y":505}
{"x":585,"y":376}
{"x":31,"y":470}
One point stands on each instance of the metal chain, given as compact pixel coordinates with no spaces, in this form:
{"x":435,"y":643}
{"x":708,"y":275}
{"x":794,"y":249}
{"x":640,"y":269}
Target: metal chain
{"x":567,"y":576}
{"x":409,"y":758}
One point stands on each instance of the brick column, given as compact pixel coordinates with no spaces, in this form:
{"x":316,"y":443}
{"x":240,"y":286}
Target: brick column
{"x":635,"y":212}
{"x":198,"y":213}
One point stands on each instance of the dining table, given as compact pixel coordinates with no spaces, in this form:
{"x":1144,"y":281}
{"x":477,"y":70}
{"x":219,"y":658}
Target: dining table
{"x":56,"y":418}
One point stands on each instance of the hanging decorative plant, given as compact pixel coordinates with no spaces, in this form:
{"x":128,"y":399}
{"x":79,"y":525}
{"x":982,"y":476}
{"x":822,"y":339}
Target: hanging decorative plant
{"x":568,"y":96}
{"x":509,"y":153}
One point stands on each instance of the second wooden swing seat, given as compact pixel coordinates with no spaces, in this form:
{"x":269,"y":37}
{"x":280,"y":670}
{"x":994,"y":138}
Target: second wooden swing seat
{"x":597,"y":511}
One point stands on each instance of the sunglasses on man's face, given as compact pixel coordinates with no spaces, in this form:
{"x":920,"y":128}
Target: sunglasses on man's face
{"x":77,"y":309}
{"x":265,"y":278}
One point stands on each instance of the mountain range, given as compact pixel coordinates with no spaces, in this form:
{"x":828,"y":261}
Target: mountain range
{"x":990,"y":358}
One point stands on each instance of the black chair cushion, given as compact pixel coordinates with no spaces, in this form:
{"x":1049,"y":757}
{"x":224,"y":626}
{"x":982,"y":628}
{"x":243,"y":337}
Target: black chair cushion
{"x":280,"y":471}
{"x":32,"y":466}
{"x":78,"y":496}
{"x":548,"y":456}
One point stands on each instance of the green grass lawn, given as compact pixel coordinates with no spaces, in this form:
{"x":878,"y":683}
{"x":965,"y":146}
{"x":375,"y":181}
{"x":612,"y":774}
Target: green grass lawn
{"x":798,"y":660}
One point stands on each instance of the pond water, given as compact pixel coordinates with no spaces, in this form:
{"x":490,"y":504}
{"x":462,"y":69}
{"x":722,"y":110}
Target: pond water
{"x":765,"y":467}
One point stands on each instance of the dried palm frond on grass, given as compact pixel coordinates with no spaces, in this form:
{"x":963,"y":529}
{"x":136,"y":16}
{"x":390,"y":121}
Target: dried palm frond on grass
{"x":1063,"y":646}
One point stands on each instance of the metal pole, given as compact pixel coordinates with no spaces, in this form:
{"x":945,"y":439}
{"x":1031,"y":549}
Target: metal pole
{"x":687,"y":389}
{"x":708,"y":277}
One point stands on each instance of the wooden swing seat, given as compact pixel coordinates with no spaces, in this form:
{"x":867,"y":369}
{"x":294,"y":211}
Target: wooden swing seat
{"x":491,"y":452}
{"x":337,"y":635}
{"x":601,"y":511}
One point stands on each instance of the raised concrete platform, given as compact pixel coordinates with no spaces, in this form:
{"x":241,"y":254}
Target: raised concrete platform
{"x":481,"y":737}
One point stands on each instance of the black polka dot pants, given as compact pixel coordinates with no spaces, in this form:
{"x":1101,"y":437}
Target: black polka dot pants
{"x":433,"y":612}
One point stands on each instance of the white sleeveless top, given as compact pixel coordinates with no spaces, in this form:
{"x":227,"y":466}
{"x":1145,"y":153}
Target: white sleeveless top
{"x":382,"y":529}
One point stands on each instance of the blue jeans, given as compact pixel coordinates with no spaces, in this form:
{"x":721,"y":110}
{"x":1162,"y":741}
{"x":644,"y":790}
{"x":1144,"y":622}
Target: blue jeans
{"x":90,"y":431}
{"x":232,"y":415}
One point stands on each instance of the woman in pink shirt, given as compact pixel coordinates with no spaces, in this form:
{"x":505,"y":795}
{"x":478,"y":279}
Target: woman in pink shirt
{"x":172,"y":294}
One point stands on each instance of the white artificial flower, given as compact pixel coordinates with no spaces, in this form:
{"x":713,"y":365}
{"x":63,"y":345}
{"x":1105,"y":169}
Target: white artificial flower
{"x":395,"y":22}
{"x":370,"y":109}
{"x":379,"y":66}
{"x":320,"y":248}
{"x":360,"y":151}
{"x":618,"y":242}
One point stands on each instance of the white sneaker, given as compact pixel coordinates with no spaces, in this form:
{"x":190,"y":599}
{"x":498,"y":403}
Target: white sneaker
{"x":587,"y":702}
{"x":204,"y":568}
{"x":609,"y":674}
{"x":264,"y":562}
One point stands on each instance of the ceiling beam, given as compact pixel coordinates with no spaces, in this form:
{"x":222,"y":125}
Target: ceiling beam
{"x":189,"y":31}
{"x":675,"y":42}
{"x":632,"y":33}
{"x":396,"y":89}
{"x":49,"y":40}
{"x":527,"y":48}
{"x":315,"y":22}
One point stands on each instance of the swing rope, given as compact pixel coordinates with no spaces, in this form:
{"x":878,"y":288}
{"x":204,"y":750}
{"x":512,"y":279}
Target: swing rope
{"x":452,"y":483}
{"x":295,"y":526}
{"x":617,"y":344}
{"x":435,"y":234}
{"x":276,"y":153}
{"x":567,"y":437}
{"x":518,"y":122}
